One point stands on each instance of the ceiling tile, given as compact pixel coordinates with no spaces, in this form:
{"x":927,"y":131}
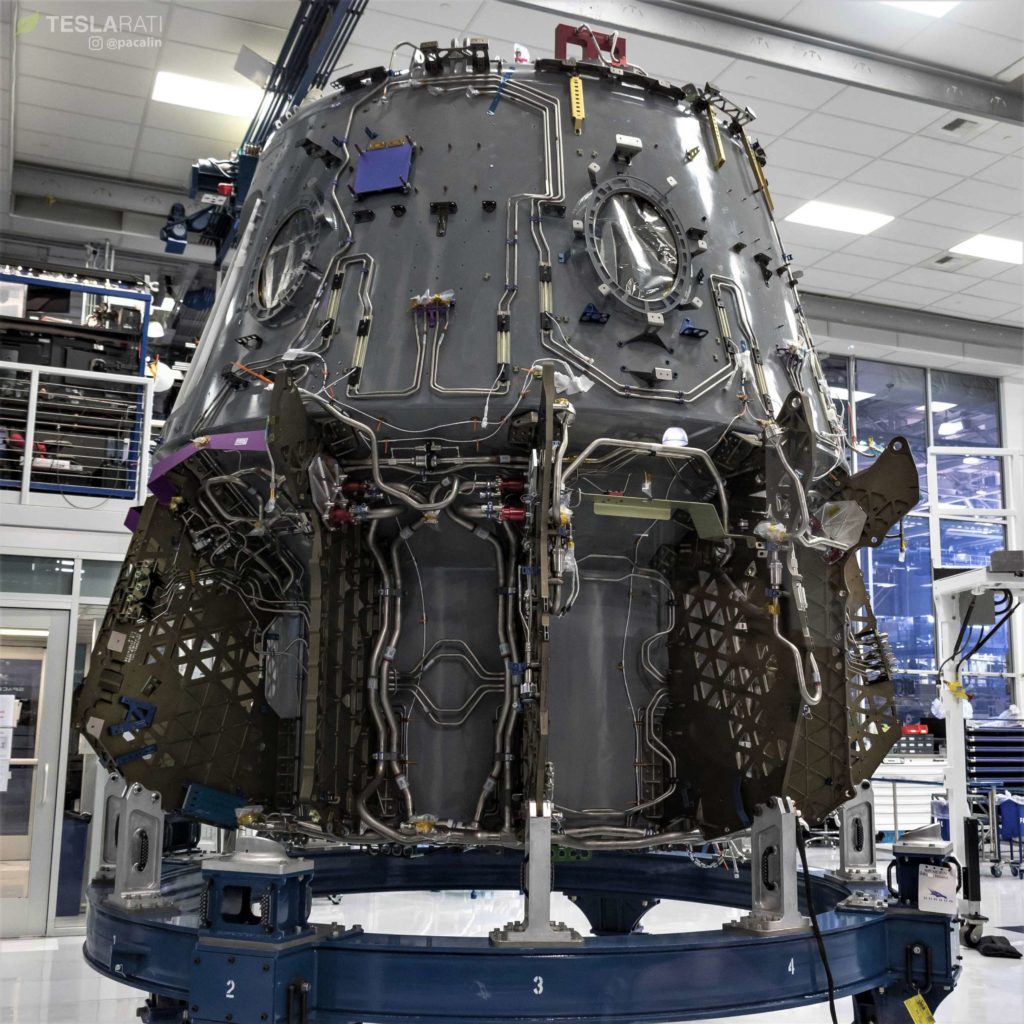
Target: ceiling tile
{"x":940,"y":236}
{"x":77,"y":70}
{"x":1000,"y":16}
{"x":1015,"y":275}
{"x":796,"y":235}
{"x":861,"y":266}
{"x":220,"y":31}
{"x":790,"y":87}
{"x":1008,"y":172}
{"x":997,"y":290}
{"x":169,"y":170}
{"x":797,"y":183}
{"x":985,"y":196}
{"x":1001,"y":138}
{"x":798,"y":156}
{"x":950,"y":215}
{"x":951,"y":157}
{"x":973,"y":307}
{"x":79,"y":126}
{"x":878,"y":108}
{"x":57,"y":96}
{"x":807,"y":255}
{"x":186,"y":121}
{"x":866,"y":197}
{"x":885,"y":249}
{"x":41,"y":146}
{"x":166,"y":143}
{"x":941,"y":280}
{"x":963,"y":48}
{"x":918,"y":181}
{"x":831,"y":283}
{"x":841,"y":133}
{"x":275,"y":13}
{"x":766,"y":10}
{"x":534,"y":29}
{"x":905,"y":294}
{"x":869,"y":25}
{"x":202,"y":62}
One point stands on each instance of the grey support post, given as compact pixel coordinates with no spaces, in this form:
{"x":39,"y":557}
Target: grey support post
{"x":537,"y":928}
{"x":857,"y":837}
{"x":773,"y":853}
{"x":134,"y":836}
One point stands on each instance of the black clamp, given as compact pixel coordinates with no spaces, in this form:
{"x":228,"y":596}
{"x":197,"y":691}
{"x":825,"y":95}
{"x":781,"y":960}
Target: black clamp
{"x":442,"y":211}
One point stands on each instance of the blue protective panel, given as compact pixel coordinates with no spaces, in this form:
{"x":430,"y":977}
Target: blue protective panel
{"x":384,"y":169}
{"x":212,"y":805}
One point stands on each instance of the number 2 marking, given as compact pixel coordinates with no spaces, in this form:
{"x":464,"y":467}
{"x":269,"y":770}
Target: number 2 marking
{"x":231,"y":990}
{"x":792,"y":966}
{"x":538,"y":985}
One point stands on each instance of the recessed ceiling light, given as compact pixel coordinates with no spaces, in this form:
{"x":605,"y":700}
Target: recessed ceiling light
{"x":938,"y":407}
{"x":950,"y":428}
{"x":838,"y":218}
{"x":933,"y":8}
{"x":204,"y":94}
{"x":990,"y":247}
{"x":843,"y":395}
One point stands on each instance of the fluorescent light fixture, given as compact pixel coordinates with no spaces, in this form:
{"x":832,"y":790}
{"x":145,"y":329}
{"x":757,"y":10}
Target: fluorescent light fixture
{"x":933,"y":8}
{"x":838,"y":218}
{"x":950,"y":428}
{"x":972,"y":460}
{"x":937,"y":407}
{"x":17,"y":631}
{"x":204,"y":94}
{"x":155,"y":329}
{"x":991,"y":247}
{"x":844,"y":396}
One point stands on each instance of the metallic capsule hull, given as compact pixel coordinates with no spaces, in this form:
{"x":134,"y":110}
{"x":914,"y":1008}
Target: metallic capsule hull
{"x":505,"y":477}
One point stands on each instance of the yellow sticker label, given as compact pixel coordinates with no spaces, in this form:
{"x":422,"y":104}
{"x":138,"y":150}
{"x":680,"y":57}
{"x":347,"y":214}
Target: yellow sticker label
{"x":918,"y":1010}
{"x":957,"y":689}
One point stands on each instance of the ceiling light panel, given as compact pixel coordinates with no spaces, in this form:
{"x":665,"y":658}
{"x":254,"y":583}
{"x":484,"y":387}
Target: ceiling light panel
{"x":838,"y":218}
{"x":204,"y":94}
{"x":991,"y":247}
{"x":931,"y":8}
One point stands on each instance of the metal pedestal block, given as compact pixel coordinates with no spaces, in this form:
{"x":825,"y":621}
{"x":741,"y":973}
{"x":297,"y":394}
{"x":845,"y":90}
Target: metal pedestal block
{"x":537,"y":928}
{"x":773,"y":852}
{"x":133,"y":838}
{"x":857,"y":837}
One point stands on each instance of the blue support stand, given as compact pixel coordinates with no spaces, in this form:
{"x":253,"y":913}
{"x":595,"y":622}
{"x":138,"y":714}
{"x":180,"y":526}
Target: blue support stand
{"x":237,"y":948}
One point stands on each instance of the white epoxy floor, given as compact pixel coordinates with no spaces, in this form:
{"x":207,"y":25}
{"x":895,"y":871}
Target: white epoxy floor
{"x":45,"y":981}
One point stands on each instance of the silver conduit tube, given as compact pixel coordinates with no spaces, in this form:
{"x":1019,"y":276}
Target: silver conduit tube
{"x":664,"y":450}
{"x":403,"y":494}
{"x":490,"y":783}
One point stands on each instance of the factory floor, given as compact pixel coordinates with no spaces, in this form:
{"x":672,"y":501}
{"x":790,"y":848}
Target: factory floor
{"x":46,"y":981}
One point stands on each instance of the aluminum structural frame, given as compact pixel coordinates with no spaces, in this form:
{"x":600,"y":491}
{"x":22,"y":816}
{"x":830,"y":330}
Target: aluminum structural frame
{"x":946,"y":593}
{"x":211,"y":956}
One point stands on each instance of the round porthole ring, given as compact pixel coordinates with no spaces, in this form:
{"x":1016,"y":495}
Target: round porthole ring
{"x":285,"y":299}
{"x":624,"y":184}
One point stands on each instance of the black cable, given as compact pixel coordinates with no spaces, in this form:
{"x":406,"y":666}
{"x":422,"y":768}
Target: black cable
{"x":809,"y":894}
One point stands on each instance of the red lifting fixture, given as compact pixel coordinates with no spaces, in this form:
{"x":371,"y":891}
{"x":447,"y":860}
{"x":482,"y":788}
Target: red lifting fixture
{"x":591,"y":42}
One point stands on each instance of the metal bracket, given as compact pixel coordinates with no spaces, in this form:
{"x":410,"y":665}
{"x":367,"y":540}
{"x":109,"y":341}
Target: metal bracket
{"x":441,"y":211}
{"x":537,"y":928}
{"x":773,"y":873}
{"x":134,"y":833}
{"x":857,"y":837}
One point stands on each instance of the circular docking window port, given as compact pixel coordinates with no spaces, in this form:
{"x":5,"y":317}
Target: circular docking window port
{"x":636,"y":245}
{"x":284,"y":263}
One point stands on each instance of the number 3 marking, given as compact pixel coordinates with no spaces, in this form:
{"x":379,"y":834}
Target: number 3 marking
{"x":231,"y":990}
{"x":538,"y":985}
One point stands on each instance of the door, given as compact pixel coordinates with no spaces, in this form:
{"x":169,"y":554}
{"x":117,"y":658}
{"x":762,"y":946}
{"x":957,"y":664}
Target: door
{"x":33,"y":668}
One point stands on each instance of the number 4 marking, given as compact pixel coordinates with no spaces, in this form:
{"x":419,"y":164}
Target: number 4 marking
{"x":538,"y":985}
{"x":792,"y":966}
